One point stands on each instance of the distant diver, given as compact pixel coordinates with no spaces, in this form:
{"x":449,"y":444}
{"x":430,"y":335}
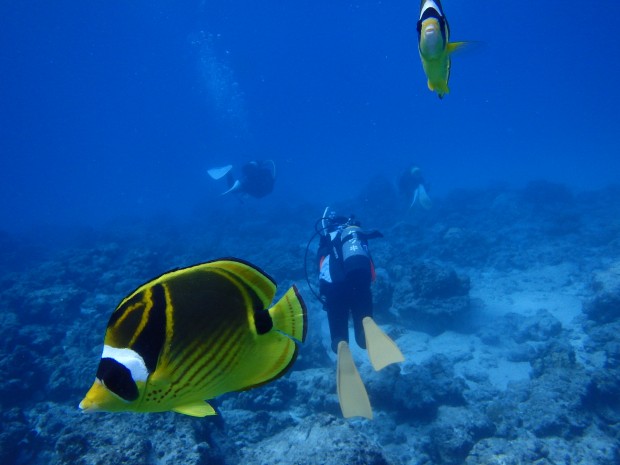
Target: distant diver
{"x":434,"y":46}
{"x":257,"y":178}
{"x":346,"y":271}
{"x":193,"y":334}
{"x":412,"y":185}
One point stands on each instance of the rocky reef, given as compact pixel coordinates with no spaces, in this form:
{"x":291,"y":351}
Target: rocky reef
{"x":505,"y":303}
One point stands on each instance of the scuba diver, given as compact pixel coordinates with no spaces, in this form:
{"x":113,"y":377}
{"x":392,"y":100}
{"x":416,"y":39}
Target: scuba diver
{"x":257,"y":178}
{"x":412,"y":185}
{"x":346,"y":271}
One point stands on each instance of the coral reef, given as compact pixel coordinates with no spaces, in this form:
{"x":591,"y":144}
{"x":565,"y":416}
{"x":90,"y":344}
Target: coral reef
{"x":505,"y":303}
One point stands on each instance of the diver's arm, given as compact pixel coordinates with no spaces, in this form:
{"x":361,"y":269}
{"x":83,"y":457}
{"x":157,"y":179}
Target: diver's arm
{"x":324,"y":248}
{"x":373,"y":234}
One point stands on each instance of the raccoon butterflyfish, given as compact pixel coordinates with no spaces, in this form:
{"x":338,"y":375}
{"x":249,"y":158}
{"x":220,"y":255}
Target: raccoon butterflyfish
{"x":193,"y":334}
{"x":434,"y":46}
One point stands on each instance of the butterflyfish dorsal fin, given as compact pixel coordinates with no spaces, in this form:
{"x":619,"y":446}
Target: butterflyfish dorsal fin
{"x":261,"y":284}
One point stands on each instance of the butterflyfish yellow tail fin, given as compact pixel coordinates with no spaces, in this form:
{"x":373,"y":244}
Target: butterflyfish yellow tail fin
{"x":382,"y":350}
{"x":197,"y":409}
{"x":289,"y":315}
{"x":352,"y":394}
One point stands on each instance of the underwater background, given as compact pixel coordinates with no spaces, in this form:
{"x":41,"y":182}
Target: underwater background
{"x":119,"y":108}
{"x":504,"y":297}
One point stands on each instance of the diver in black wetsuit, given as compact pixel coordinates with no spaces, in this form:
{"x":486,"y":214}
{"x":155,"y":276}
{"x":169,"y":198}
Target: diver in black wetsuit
{"x":346,"y":272}
{"x":413,"y":186}
{"x":257,"y":178}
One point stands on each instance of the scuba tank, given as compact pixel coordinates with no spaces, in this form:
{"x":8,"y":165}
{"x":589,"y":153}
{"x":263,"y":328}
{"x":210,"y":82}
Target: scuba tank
{"x":355,"y":254}
{"x":347,"y":247}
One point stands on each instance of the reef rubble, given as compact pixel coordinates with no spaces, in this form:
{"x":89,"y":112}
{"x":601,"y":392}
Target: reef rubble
{"x":505,"y":303}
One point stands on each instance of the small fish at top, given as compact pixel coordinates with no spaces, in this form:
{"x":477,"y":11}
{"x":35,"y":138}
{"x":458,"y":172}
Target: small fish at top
{"x":193,"y":334}
{"x":434,"y":46}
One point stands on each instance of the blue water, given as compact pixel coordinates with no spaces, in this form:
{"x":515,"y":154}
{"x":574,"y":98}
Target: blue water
{"x":115,"y":109}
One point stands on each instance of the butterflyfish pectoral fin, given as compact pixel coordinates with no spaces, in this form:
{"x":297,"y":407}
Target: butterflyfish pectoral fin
{"x":352,"y":395}
{"x":197,"y":409}
{"x":454,"y":46}
{"x":382,"y":350}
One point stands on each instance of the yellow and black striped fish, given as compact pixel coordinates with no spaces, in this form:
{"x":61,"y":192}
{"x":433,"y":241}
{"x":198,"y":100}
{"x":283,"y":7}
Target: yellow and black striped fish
{"x":193,"y":334}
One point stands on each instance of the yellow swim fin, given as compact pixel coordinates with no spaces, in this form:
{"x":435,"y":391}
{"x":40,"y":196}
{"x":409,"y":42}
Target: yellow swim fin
{"x":352,"y":394}
{"x":382,"y":350}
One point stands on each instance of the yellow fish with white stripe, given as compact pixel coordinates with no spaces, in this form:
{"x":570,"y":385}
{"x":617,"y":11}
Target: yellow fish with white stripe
{"x":434,"y":45}
{"x":193,"y":334}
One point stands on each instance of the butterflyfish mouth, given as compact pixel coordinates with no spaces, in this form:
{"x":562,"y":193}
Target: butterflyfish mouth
{"x":88,"y":406}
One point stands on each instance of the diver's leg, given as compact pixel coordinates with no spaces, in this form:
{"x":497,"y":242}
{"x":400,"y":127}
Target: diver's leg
{"x":337,"y":315}
{"x":361,"y":306}
{"x":230,"y":179}
{"x":382,"y":350}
